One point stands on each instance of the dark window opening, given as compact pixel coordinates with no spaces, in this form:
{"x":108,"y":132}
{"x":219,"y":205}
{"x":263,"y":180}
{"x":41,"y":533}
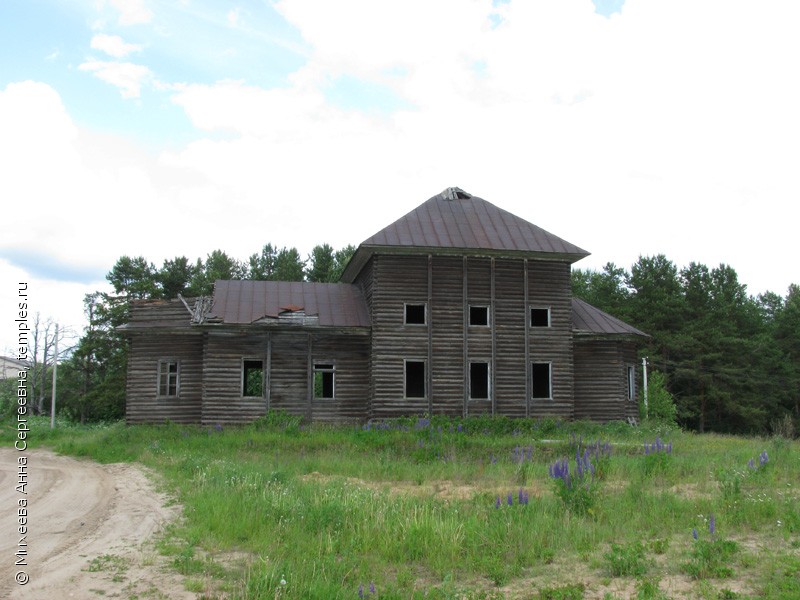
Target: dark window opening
{"x":479,"y":315}
{"x":540,"y":317}
{"x":540,"y":380}
{"x":253,"y":378}
{"x":479,"y":381}
{"x":631,"y":384}
{"x":323,"y":380}
{"x":168,"y":378}
{"x":415,"y":314}
{"x":415,"y":379}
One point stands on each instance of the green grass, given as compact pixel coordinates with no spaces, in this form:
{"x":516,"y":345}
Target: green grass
{"x":316,"y":512}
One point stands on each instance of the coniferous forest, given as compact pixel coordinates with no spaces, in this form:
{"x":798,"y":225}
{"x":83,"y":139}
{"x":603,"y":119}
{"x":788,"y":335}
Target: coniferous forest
{"x":730,"y":360}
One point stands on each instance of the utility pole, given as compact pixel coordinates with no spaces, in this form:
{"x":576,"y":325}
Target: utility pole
{"x":644,"y":385}
{"x":55,"y":369}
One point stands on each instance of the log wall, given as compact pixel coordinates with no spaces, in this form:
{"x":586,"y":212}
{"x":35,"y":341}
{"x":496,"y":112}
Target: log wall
{"x":449,"y":285}
{"x":143,"y":404}
{"x":601,"y":384}
{"x":288,"y":358}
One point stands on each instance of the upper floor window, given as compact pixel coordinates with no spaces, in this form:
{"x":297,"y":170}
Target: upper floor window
{"x":168,"y":378}
{"x":252,"y":378}
{"x":540,"y":317}
{"x":479,"y":316}
{"x":415,"y":314}
{"x":324,"y":380}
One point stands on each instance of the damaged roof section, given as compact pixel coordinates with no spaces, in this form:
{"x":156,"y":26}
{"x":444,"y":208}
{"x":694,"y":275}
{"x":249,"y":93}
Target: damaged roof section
{"x":323,"y":304}
{"x":590,"y":320}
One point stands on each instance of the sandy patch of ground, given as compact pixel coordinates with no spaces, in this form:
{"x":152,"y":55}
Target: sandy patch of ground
{"x":90,"y":531}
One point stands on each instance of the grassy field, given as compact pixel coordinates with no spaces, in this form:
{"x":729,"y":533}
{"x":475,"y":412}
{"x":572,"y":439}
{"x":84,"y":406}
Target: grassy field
{"x":467,"y":509}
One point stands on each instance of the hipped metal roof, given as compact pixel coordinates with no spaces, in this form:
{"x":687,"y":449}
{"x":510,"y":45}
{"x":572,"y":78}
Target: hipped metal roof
{"x":588,"y":319}
{"x":244,"y":302}
{"x":454,"y":220}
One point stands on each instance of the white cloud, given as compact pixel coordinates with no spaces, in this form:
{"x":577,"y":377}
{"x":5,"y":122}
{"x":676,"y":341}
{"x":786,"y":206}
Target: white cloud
{"x":132,"y":12}
{"x":113,"y":45}
{"x":128,"y":77}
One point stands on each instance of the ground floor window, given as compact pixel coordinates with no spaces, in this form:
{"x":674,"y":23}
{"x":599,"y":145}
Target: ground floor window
{"x":415,"y":379}
{"x":168,"y":378}
{"x":479,"y":380}
{"x":631,"y":383}
{"x":324,"y":379}
{"x":541,"y":380}
{"x":252,"y":378}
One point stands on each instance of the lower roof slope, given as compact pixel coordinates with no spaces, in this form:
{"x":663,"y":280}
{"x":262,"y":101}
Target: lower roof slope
{"x":588,"y":319}
{"x":243,"y":302}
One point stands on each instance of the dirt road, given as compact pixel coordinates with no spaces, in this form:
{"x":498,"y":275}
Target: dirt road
{"x":90,"y":530}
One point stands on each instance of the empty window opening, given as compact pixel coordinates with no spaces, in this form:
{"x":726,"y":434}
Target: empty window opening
{"x":479,"y":316}
{"x":541,"y":385}
{"x":252,"y":378}
{"x":631,"y":384}
{"x":540,"y":317}
{"x":168,"y":378}
{"x":324,"y":380}
{"x":479,"y":381}
{"x":415,"y":314}
{"x":415,"y":379}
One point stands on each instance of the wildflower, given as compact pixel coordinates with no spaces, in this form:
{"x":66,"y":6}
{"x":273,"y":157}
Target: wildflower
{"x":763,"y":458}
{"x":510,"y":499}
{"x":283,"y":580}
{"x":361,"y":590}
{"x":371,"y":587}
{"x":694,"y":533}
{"x":752,"y":464}
{"x":712,"y":524}
{"x":497,"y":502}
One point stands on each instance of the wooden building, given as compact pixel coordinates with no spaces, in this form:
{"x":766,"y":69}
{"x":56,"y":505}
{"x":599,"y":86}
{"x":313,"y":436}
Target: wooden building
{"x":458,"y":308}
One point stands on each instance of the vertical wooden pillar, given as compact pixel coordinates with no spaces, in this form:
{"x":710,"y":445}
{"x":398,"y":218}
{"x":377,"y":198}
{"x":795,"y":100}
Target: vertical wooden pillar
{"x":309,"y":379}
{"x":465,"y":313}
{"x":526,"y":317}
{"x":269,"y":370}
{"x":493,"y":369}
{"x":430,"y":334}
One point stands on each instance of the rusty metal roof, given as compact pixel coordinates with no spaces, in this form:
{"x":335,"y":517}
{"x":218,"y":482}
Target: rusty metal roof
{"x":243,"y":302}
{"x":455,"y":219}
{"x":591,"y":320}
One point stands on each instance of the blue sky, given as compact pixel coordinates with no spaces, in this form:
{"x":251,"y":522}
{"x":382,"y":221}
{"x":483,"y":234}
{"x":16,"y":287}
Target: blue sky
{"x":167,"y":128}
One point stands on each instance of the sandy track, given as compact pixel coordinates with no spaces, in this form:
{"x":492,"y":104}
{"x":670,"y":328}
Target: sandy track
{"x":90,"y":529}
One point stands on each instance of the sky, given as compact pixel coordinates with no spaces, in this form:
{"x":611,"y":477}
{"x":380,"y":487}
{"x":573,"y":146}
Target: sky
{"x":173,"y":128}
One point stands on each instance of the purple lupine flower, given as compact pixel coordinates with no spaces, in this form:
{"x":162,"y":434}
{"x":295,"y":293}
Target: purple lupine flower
{"x":460,"y":428}
{"x":712,"y":524}
{"x":361,"y":590}
{"x":510,"y":499}
{"x":751,"y":464}
{"x":763,"y":458}
{"x":520,"y":496}
{"x":694,"y":533}
{"x":371,"y":587}
{"x":497,"y":502}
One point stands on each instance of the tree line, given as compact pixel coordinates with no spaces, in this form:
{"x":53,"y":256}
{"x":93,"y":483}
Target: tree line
{"x":731,"y":360}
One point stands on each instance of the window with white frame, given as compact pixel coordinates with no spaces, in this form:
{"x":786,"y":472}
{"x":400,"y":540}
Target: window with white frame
{"x":324,"y":380}
{"x":168,"y":378}
{"x":478,"y":316}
